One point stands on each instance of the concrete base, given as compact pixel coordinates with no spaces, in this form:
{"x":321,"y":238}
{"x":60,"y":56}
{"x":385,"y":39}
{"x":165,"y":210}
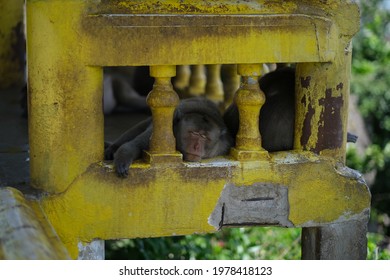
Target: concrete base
{"x":343,"y":241}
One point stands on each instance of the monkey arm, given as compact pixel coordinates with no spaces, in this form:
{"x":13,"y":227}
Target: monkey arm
{"x":130,"y":151}
{"x":129,"y":135}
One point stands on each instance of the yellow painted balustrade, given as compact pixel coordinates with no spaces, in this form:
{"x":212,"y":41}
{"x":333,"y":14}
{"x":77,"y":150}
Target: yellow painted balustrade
{"x":68,"y":43}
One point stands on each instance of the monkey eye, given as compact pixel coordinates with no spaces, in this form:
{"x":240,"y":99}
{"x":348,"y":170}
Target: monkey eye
{"x":194,"y":133}
{"x":201,"y":135}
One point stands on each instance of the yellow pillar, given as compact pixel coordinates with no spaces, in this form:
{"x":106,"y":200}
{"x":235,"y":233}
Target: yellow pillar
{"x":65,"y":116}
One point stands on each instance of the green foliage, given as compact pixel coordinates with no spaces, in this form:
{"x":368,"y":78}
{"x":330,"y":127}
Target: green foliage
{"x":375,"y":248}
{"x":371,"y":79}
{"x":374,"y":158}
{"x":228,"y":244}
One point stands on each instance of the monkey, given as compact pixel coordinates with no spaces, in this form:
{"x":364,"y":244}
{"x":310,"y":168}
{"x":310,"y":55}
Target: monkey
{"x":198,"y":127}
{"x":277,"y":115}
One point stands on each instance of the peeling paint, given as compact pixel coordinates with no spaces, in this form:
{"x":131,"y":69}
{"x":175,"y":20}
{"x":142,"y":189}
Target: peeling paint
{"x":330,"y":129}
{"x":305,"y":82}
{"x":306,"y":130}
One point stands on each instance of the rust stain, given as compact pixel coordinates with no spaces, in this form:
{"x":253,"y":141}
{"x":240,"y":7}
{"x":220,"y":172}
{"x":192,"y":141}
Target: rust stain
{"x":305,"y":82}
{"x":330,"y":131}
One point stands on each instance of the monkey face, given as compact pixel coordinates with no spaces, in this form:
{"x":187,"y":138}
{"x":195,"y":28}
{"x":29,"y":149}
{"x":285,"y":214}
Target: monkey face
{"x":196,"y":136}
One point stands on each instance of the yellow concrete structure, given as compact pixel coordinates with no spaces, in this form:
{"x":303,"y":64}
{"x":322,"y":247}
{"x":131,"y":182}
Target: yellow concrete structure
{"x":68,"y":43}
{"x":11,"y":43}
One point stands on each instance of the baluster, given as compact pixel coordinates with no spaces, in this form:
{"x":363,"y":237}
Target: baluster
{"x":182,"y":79}
{"x":249,"y":99}
{"x":162,"y":101}
{"x":231,"y":82}
{"x":214,"y":86}
{"x":197,"y":80}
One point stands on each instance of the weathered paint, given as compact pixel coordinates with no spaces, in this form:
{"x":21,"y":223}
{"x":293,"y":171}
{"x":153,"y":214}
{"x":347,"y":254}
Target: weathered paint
{"x":215,"y":36}
{"x":322,"y":102}
{"x":163,"y":196}
{"x":331,"y":122}
{"x":11,"y":43}
{"x":65,"y":96}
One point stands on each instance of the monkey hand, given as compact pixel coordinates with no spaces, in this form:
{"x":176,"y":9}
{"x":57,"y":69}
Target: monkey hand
{"x":124,"y":156}
{"x":122,"y":166}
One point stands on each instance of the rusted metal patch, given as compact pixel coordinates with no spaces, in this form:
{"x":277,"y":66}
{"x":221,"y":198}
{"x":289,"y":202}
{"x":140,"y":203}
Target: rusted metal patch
{"x":259,"y":204}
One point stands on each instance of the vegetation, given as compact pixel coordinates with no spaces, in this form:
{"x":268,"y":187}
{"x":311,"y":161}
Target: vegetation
{"x":371,"y":83}
{"x":229,"y":244}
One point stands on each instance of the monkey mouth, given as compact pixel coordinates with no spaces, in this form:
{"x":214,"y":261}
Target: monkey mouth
{"x":192,"y":157}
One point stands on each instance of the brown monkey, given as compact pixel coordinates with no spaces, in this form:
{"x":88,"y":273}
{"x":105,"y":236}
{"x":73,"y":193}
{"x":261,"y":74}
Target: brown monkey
{"x":277,"y":115}
{"x":198,"y":128}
